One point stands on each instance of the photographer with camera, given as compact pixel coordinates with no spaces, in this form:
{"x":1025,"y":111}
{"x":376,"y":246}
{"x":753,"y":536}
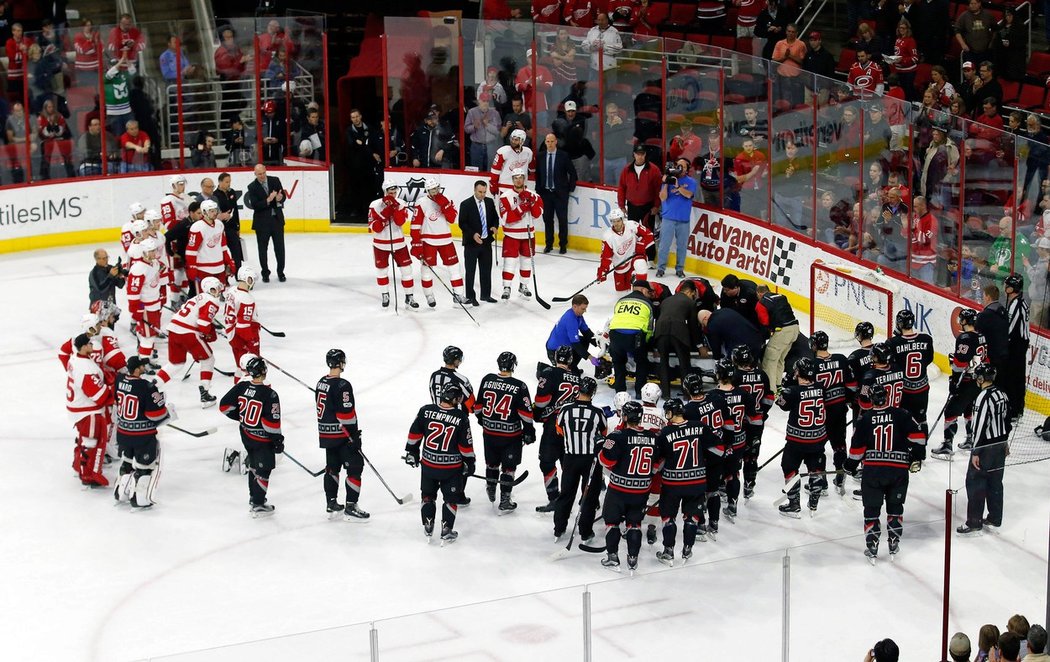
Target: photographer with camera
{"x":105,"y":278}
{"x":676,"y":196}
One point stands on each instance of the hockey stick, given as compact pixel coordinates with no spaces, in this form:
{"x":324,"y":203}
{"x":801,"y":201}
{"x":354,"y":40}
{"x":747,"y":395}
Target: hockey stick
{"x":794,"y":481}
{"x":449,"y":290}
{"x":400,"y":500}
{"x":301,"y":466}
{"x":290,"y":375}
{"x":614,"y":268}
{"x":517,"y":481}
{"x":189,"y":369}
{"x":775,"y":456}
{"x":562,"y":553}
{"x":933,"y":426}
{"x":532,"y":261}
{"x":202,"y":433}
{"x":275,"y":334}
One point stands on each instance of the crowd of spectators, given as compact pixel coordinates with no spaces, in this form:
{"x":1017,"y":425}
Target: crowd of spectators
{"x":1019,"y":641}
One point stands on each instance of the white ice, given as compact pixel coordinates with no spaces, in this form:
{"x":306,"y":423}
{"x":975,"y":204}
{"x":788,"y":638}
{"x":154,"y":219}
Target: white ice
{"x":87,"y":580}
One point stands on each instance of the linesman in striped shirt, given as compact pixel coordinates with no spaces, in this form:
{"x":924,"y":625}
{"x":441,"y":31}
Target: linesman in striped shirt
{"x":581,"y":427}
{"x":984,"y":476}
{"x":1017,"y":315}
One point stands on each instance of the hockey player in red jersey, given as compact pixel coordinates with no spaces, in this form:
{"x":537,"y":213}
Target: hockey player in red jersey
{"x":431,"y":238}
{"x":519,"y":208}
{"x":144,"y":297}
{"x":509,"y":158}
{"x":87,"y":396}
{"x":624,"y":239}
{"x":207,"y":253}
{"x":189,"y":333}
{"x":242,"y":320}
{"x":126,"y":233}
{"x":173,"y":206}
{"x":385,"y":218}
{"x":111,"y":359}
{"x":88,"y":326}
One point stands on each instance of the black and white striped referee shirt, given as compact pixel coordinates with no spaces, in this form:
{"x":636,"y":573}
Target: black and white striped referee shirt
{"x":582,"y":425}
{"x":1018,"y":316}
{"x":991,"y":417}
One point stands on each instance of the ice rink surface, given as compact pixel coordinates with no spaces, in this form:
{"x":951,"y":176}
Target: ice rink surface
{"x":88,"y":580}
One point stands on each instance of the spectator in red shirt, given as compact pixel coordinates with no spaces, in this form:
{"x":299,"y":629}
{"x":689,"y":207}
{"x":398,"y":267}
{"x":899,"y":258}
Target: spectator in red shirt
{"x":135,"y":145}
{"x":273,"y":40}
{"x":529,"y":84}
{"x":923,"y":241}
{"x":646,"y":23}
{"x":87,"y":46}
{"x":747,"y":16}
{"x":906,"y":53}
{"x":865,"y":76}
{"x":547,"y":12}
{"x":17,"y":55}
{"x":639,"y":188}
{"x":749,"y":166}
{"x":580,"y":13}
{"x":686,"y":145}
{"x":125,"y":40}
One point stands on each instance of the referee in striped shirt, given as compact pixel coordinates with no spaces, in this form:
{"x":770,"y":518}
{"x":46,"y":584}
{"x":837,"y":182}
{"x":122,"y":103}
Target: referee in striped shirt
{"x":582,"y":426}
{"x":1014,"y":382}
{"x":984,"y":477}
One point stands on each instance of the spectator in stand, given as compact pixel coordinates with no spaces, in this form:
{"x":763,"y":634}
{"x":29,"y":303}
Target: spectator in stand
{"x":639,"y":188}
{"x":790,"y":53}
{"x":930,"y":23}
{"x":146,"y":115}
{"x":623,"y":14}
{"x":747,"y":12}
{"x":547,"y":12}
{"x":966,"y":89}
{"x":428,"y":150}
{"x":867,"y":40}
{"x":617,"y":134}
{"x":534,"y":86}
{"x":279,"y":70}
{"x":603,"y":38}
{"x":923,"y":237}
{"x":90,"y":151}
{"x":125,"y":41}
{"x":580,"y":13}
{"x":821,"y":63}
{"x":364,"y":155}
{"x":231,"y":63}
{"x":1018,"y":625}
{"x":555,"y":180}
{"x":44,"y":75}
{"x":686,"y":145}
{"x":274,"y":134}
{"x":271,"y":41}
{"x":771,"y":26}
{"x":482,"y":125}
{"x":174,"y":60}
{"x":753,"y":127}
{"x":877,"y":132}
{"x":87,"y":46}
{"x":311,"y":140}
{"x":117,"y":81}
{"x":792,"y":188}
{"x":517,"y":118}
{"x":942,"y":88}
{"x":643,"y":21}
{"x":571,"y":132}
{"x":749,"y":166}
{"x":959,"y":647}
{"x":563,"y":58}
{"x":883,"y":651}
{"x":865,"y":75}
{"x":54,"y":136}
{"x":906,"y":59}
{"x":1008,"y":253}
{"x":1037,"y":651}
{"x":890,"y":227}
{"x":17,"y":48}
{"x":711,"y":169}
{"x":6,"y":10}
{"x":15,"y":131}
{"x":135,"y":144}
{"x":1008,"y":648}
{"x":987,"y":639}
{"x":1009,"y":47}
{"x":1037,"y":163}
{"x":676,"y":195}
{"x":202,"y":155}
{"x":987,"y":85}
{"x":495,"y":89}
{"x":973,"y":32}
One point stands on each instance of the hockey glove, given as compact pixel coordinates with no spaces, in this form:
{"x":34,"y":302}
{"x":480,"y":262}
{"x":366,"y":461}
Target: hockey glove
{"x":417,"y":252}
{"x":915,"y":467}
{"x":278,"y":443}
{"x":602,"y":275}
{"x":468,"y":466}
{"x":411,"y":457}
{"x":528,"y":435}
{"x":209,"y":334}
{"x":355,"y":439}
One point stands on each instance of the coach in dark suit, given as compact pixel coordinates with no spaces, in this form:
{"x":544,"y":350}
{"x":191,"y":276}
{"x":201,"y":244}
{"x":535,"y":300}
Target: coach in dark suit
{"x":265,"y":197}
{"x":555,"y":180}
{"x":478,"y":221}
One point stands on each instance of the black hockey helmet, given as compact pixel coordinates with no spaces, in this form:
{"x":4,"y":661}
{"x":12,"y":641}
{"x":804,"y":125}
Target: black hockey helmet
{"x":588,"y":386}
{"x":905,"y":320}
{"x":1014,"y":282}
{"x":335,"y":358}
{"x":818,"y":342}
{"x":632,"y":412}
{"x":693,"y":384}
{"x":506,"y":362}
{"x":256,"y":367}
{"x":806,"y":368}
{"x":864,"y":331}
{"x":451,"y":354}
{"x":451,"y":392}
{"x":879,"y":396}
{"x":743,"y":356}
{"x":673,"y":407}
{"x":563,"y":355}
{"x":985,"y":372}
{"x":880,"y":353}
{"x":967,"y":317}
{"x":725,"y":370}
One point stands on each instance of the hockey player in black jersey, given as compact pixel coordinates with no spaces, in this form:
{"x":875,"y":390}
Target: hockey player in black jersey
{"x":258,"y":409}
{"x":754,"y":381}
{"x":580,"y":427}
{"x":140,"y":409}
{"x":805,"y":435}
{"x":860,"y":359}
{"x":452,"y":357}
{"x":710,"y":408}
{"x":439,"y":440}
{"x":629,"y":455}
{"x":971,"y":351}
{"x":680,"y":452}
{"x":558,"y":385}
{"x":881,"y":373}
{"x":888,"y":442}
{"x":984,"y":475}
{"x":744,"y":413}
{"x":504,"y":409}
{"x":833,"y":373}
{"x":912,"y":352}
{"x":340,"y":436}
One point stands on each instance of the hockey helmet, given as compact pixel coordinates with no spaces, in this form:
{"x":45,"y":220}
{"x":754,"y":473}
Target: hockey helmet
{"x":151,"y":215}
{"x":89,"y":323}
{"x":693,"y":384}
{"x":588,"y":386}
{"x":135,"y":251}
{"x":967,"y":317}
{"x":806,"y":368}
{"x":818,"y":342}
{"x":429,"y":184}
{"x":1014,"y":282}
{"x":650,"y":393}
{"x":211,"y":283}
{"x":616,"y":214}
{"x":725,"y":370}
{"x":389,"y":184}
{"x":905,"y":320}
{"x":139,"y":227}
{"x":451,"y":354}
{"x":620,"y":399}
{"x":879,"y":396}
{"x":175,"y":180}
{"x":673,"y":407}
{"x":255,"y":367}
{"x":517,"y":172}
{"x":335,"y":358}
{"x":451,"y":392}
{"x":209,"y":205}
{"x":880,"y":353}
{"x":269,"y":106}
{"x":743,"y":356}
{"x":136,"y":209}
{"x":985,"y":372}
{"x":564,"y":355}
{"x":864,"y":331}
{"x":243,"y":363}
{"x":306,"y":148}
{"x":148,"y":245}
{"x":110,"y":311}
{"x":246,"y":274}
{"x":507,"y":362}
{"x":631,"y":412}
{"x":518,"y":134}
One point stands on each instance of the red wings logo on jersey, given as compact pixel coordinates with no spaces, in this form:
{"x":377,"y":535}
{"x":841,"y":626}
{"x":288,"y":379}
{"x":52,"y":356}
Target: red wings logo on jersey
{"x":214,"y":240}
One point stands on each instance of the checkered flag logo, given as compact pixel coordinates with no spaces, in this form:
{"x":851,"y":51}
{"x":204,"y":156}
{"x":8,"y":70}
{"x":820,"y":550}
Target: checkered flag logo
{"x":783,"y":261}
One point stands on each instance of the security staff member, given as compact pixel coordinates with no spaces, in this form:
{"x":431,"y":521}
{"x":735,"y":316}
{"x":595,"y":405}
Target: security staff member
{"x":629,"y":333}
{"x":776,"y":315}
{"x":984,"y":476}
{"x":1017,"y":316}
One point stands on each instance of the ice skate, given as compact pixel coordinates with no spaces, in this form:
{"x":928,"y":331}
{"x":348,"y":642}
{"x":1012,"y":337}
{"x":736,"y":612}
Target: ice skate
{"x":430,"y":300}
{"x":490,"y":490}
{"x":354,"y":514}
{"x":871,"y":552}
{"x":895,"y":547}
{"x":840,"y":484}
{"x":814,"y":498}
{"x":386,"y":300}
{"x":230,"y":457}
{"x":858,"y":495}
{"x":749,"y":490}
{"x":448,"y":536}
{"x":650,"y":534}
{"x":666,"y":556}
{"x":140,"y":506}
{"x":548,"y":508}
{"x":260,"y":510}
{"x":506,"y":293}
{"x":944,"y":452}
{"x":207,"y":399}
{"x":632,"y":564}
{"x":687,"y":553}
{"x":966,"y":445}
{"x":333,"y":508}
{"x":524,"y":291}
{"x":701,"y":532}
{"x":410,"y":301}
{"x":712,"y":531}
{"x":612,"y":561}
{"x":506,"y":505}
{"x":730,"y":511}
{"x":459,"y":299}
{"x":791,"y":509}
{"x":986,"y":525}
{"x":428,"y":530}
